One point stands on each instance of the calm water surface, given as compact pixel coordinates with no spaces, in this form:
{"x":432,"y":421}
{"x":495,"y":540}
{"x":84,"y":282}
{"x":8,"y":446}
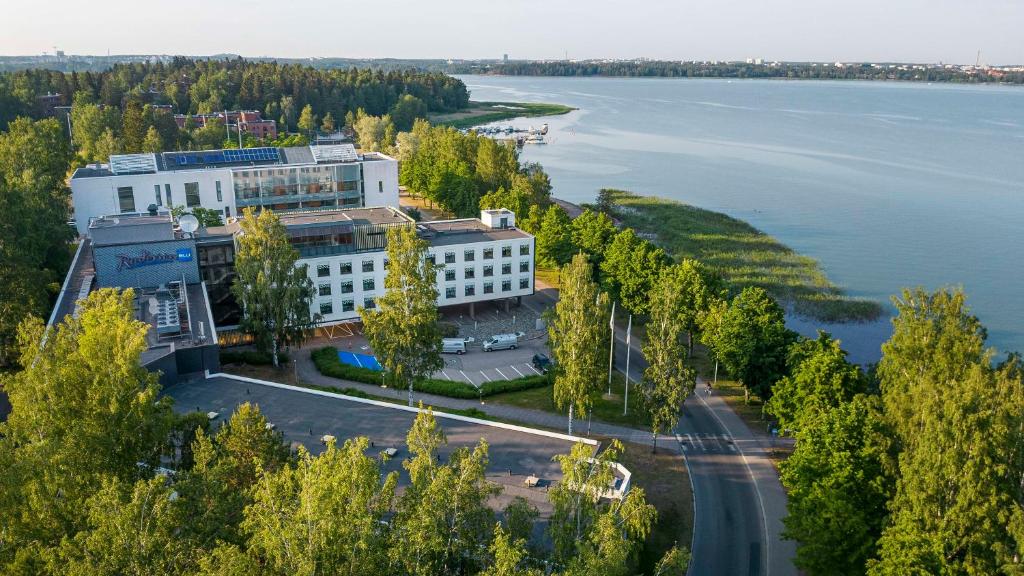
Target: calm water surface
{"x":888,"y":185}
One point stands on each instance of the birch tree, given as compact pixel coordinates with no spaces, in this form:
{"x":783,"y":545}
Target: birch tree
{"x":576,"y":335}
{"x":667,"y":380}
{"x":274,"y":294}
{"x":403,"y":329}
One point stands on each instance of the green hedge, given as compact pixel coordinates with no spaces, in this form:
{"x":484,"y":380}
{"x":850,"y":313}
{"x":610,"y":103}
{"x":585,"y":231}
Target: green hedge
{"x":327,"y":362}
{"x":250,"y":357}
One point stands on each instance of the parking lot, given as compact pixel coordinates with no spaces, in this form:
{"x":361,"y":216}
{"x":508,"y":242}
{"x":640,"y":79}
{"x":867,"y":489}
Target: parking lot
{"x":304,"y":418}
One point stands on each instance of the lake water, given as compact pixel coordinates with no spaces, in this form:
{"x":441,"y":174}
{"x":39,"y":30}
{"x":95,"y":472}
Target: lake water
{"x":887,"y":185}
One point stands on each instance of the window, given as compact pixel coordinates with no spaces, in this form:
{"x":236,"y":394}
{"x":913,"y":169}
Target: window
{"x":506,"y":251}
{"x":524,"y":283}
{"x":380,"y":186}
{"x":156,"y":193}
{"x":346,"y":287}
{"x":524,"y":249}
{"x":449,"y":274}
{"x":348,"y":305}
{"x":191,"y":194}
{"x":504,"y":222}
{"x":470,"y":273}
{"x":524,"y":266}
{"x":488,"y":253}
{"x":345,"y":268}
{"x":220,"y":197}
{"x":488,"y":287}
{"x":488,"y":270}
{"x":369,"y":304}
{"x":469,"y":255}
{"x":126,"y":199}
{"x":227,"y":211}
{"x":167,"y":192}
{"x":470,"y":289}
{"x":449,"y":257}
{"x":432,"y":258}
{"x":367,"y":265}
{"x":326,"y":308}
{"x":506,"y":285}
{"x":323,"y":270}
{"x":449,"y":292}
{"x":324,"y":290}
{"x":386,"y":262}
{"x":506,"y":268}
{"x":368,"y":284}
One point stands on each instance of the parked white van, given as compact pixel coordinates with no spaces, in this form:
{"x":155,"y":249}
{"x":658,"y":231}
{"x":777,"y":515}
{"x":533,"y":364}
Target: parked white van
{"x":453,"y":346}
{"x":501,"y":342}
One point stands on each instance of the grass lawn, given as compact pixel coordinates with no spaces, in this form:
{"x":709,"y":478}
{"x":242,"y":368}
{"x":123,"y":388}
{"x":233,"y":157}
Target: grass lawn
{"x":606,"y":409}
{"x":743,"y":255}
{"x":486,"y":112}
{"x":667,"y":486}
{"x":548,"y":276}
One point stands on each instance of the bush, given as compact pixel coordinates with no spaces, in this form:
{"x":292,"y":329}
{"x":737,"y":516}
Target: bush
{"x":448,"y":329}
{"x":328,"y":364}
{"x":252,"y":357}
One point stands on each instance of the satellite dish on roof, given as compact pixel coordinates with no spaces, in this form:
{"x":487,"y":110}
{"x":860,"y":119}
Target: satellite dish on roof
{"x":188,"y":223}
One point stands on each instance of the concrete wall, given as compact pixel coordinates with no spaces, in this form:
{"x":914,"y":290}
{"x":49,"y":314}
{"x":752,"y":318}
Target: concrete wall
{"x":380,"y":175}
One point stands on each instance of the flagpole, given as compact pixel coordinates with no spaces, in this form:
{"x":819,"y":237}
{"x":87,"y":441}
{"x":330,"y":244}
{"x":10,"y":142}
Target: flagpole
{"x":629,"y":332}
{"x":611,"y":350}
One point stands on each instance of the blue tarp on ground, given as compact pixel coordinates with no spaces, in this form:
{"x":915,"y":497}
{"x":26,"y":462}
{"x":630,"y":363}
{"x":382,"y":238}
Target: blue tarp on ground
{"x":360,"y":360}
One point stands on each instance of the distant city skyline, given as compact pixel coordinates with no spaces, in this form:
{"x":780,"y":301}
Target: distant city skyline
{"x":787,"y":30}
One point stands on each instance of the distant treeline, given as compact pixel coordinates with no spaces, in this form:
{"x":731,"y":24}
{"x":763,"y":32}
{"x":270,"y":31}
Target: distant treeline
{"x":280,"y":91}
{"x":671,"y":69}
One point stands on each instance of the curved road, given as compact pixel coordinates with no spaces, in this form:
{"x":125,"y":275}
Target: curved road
{"x":738,"y":500}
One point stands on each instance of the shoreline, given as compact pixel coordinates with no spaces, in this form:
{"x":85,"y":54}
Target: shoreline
{"x":487,"y":112}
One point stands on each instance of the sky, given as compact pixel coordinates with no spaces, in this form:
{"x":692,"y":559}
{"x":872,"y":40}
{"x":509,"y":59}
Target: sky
{"x":950,"y":31}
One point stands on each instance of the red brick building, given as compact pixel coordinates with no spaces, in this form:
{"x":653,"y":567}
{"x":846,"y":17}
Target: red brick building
{"x":250,"y":122}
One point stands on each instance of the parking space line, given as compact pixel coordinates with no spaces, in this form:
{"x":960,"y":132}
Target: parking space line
{"x":535,"y":370}
{"x":696,"y":437}
{"x":486,"y":377}
{"x":445,"y":374}
{"x":503,"y":377}
{"x":468,"y":379}
{"x":518,"y":372}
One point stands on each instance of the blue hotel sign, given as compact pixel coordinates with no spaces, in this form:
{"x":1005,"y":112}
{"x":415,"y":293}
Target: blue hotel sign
{"x":147,"y":258}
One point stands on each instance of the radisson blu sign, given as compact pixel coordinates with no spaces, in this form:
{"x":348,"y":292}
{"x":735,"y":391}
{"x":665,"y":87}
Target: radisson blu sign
{"x":147,"y":258}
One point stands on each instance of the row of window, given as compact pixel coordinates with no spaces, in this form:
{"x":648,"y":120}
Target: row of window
{"x":126,"y":196}
{"x":324,"y":270}
{"x":470,"y":289}
{"x":488,"y":270}
{"x":469,"y":255}
{"x":346,"y":287}
{"x":346,"y":306}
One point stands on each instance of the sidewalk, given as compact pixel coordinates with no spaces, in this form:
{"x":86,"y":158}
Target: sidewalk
{"x":307,"y":372}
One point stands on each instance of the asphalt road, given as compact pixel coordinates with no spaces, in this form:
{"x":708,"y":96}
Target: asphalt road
{"x":736,"y":532}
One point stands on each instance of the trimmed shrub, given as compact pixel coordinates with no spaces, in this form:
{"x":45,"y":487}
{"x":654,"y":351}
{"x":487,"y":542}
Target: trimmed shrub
{"x":448,"y":329}
{"x":252,"y":357}
{"x":328,"y":364}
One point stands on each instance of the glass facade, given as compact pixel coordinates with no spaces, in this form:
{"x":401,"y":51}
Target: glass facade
{"x":300,"y":187}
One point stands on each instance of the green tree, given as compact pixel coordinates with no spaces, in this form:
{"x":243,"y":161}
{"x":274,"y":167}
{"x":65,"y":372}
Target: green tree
{"x":406,"y":111}
{"x":307,"y":120}
{"x":576,"y":334}
{"x":374,"y":133}
{"x":34,"y":234}
{"x":324,"y":515}
{"x":152,"y":141}
{"x":591,"y":233}
{"x":838,"y":481}
{"x":83,"y":409}
{"x":958,"y":506}
{"x":403,"y":329}
{"x":509,"y":555}
{"x":210,"y":136}
{"x":554,"y":238}
{"x":674,"y":563}
{"x":273,"y":292}
{"x":667,"y":380}
{"x":630,"y":268}
{"x":519,"y":518}
{"x":511,"y":200}
{"x":442,"y":523}
{"x":496,"y":163}
{"x":698,"y":288}
{"x":130,"y":531}
{"x":208,"y":217}
{"x":751,"y":340}
{"x":327,"y":124}
{"x":819,"y":379}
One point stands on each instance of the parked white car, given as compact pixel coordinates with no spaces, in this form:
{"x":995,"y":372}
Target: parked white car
{"x":502,"y":342}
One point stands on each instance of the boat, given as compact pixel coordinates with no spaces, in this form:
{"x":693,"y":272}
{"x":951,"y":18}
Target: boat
{"x":535,"y":139}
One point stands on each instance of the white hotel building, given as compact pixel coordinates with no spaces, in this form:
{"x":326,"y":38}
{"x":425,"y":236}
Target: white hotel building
{"x":284,"y":179}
